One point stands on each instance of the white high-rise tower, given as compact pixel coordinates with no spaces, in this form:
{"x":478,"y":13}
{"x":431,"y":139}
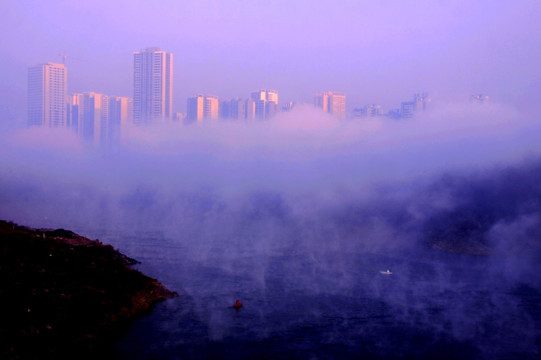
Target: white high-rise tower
{"x":152,"y":85}
{"x":47,"y":95}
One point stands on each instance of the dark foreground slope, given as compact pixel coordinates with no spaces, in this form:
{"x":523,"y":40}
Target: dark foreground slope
{"x":63,"y":295}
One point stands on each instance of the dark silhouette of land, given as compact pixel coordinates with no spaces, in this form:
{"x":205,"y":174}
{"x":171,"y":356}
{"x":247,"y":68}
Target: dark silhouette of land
{"x":66,"y":296}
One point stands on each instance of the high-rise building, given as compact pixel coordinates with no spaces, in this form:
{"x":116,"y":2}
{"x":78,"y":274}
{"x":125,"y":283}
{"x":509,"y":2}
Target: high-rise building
{"x":225,"y":111}
{"x":337,"y":104}
{"x":211,"y":107}
{"x":235,"y":109}
{"x":152,"y":85}
{"x":203,"y":107}
{"x":249,"y":109}
{"x":99,"y":119}
{"x":373,"y":110}
{"x":407,"y":109}
{"x":90,"y":116}
{"x":195,"y":108}
{"x":288,"y":106}
{"x":265,"y":103}
{"x":370,"y":110}
{"x":120,"y":116}
{"x":331,"y":102}
{"x":321,"y":100}
{"x":47,"y":95}
{"x":418,"y":104}
{"x":421,"y":101}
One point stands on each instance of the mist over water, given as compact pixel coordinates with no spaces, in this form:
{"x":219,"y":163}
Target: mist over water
{"x":297,"y":216}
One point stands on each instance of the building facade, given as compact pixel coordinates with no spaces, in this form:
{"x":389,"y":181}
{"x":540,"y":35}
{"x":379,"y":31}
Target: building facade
{"x":47,"y":95}
{"x":237,"y":109}
{"x":90,"y":116}
{"x":265,"y":103}
{"x":418,"y":104}
{"x":120,"y":117}
{"x":331,"y":102}
{"x":99,"y":119}
{"x":152,"y":85}
{"x":211,"y":107}
{"x":195,"y":108}
{"x":201,"y":107}
{"x":370,"y":110}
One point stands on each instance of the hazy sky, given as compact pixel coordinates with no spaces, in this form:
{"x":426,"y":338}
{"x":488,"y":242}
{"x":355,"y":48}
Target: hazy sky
{"x":374,"y":51}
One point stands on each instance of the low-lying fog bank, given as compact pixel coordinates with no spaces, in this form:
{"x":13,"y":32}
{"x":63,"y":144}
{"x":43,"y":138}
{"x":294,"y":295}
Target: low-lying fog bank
{"x":312,"y":198}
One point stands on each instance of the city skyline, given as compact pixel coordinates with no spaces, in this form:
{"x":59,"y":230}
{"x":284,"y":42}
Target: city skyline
{"x":88,"y":113}
{"x":157,"y":67}
{"x":362,"y":175}
{"x":372,"y":52}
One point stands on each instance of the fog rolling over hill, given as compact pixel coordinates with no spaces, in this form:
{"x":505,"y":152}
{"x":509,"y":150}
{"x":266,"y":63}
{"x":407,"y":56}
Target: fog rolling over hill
{"x":308,"y":197}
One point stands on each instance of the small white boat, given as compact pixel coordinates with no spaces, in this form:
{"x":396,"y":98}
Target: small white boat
{"x":388,"y":272}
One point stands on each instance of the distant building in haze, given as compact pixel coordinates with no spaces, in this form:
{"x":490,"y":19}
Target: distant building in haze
{"x":195,"y":107}
{"x":201,"y":107}
{"x":120,"y":117}
{"x":249,"y":109}
{"x":47,"y":95}
{"x":421,"y":101}
{"x":90,"y":116}
{"x":479,"y":98}
{"x":224,"y":109}
{"x":98,"y":118}
{"x":265,"y":103}
{"x":152,"y":85}
{"x":331,"y":102}
{"x":179,"y":117}
{"x":407,"y":109}
{"x":288,"y":106}
{"x":234,"y":109}
{"x":370,"y":110}
{"x":418,"y":104}
{"x":211,"y":108}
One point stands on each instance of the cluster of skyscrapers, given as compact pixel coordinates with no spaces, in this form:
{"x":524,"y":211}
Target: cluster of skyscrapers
{"x":262,"y":104}
{"x":100,"y":118}
{"x":95,"y":117}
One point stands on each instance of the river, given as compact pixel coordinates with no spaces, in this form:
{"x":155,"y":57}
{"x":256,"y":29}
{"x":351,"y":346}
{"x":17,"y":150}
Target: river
{"x":328,"y":302}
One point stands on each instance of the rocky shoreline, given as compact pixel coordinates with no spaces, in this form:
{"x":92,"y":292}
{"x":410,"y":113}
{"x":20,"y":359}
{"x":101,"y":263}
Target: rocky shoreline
{"x":66,"y":296}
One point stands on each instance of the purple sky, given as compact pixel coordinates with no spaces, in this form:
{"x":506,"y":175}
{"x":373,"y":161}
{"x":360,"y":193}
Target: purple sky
{"x":374,"y":51}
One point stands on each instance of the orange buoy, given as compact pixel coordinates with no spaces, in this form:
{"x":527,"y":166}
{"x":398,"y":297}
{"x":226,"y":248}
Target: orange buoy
{"x":237,"y":305}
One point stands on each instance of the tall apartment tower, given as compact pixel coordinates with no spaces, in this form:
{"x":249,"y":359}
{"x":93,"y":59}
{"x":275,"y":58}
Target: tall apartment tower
{"x":211,"y":108}
{"x":98,"y":118}
{"x":266,"y":103}
{"x":90,"y":116}
{"x":195,"y":108}
{"x":47,"y":95}
{"x":152,"y":85}
{"x":120,"y":116}
{"x":237,"y":109}
{"x":331,"y":102}
{"x":201,"y":107}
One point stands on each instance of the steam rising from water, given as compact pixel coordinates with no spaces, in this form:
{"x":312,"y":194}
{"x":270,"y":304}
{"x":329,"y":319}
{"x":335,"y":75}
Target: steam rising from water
{"x":327,"y":192}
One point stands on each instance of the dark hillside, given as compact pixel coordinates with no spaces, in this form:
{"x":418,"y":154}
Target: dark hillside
{"x":64,"y":295}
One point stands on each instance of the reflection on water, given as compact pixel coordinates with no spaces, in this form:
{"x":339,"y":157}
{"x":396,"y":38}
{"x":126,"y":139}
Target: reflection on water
{"x":308,"y":303}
